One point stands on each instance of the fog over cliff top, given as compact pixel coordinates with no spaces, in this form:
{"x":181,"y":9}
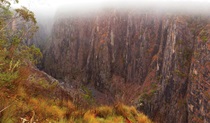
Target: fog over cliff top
{"x":46,"y":11}
{"x":48,"y":8}
{"x":164,"y":7}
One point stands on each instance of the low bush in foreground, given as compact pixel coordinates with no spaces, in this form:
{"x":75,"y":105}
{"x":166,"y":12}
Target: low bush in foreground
{"x":24,"y":99}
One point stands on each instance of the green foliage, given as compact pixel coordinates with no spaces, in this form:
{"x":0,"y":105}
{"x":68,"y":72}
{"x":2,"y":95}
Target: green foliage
{"x":179,"y":73}
{"x":88,"y":95}
{"x":13,"y":51}
{"x":7,"y":77}
{"x":26,"y":14}
{"x":8,"y":68}
{"x":31,"y":53}
{"x":159,"y":77}
{"x":204,"y":38}
{"x":154,"y":86}
{"x":147,"y":96}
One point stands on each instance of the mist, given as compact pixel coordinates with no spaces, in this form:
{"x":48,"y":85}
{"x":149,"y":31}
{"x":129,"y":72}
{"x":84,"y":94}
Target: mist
{"x":50,"y":8}
{"x":194,"y":6}
{"x":47,"y":11}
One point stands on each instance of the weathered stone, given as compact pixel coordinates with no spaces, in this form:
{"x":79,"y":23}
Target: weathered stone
{"x":170,"y":51}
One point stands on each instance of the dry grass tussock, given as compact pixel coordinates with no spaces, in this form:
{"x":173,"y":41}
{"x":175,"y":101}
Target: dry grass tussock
{"x":33,"y":99}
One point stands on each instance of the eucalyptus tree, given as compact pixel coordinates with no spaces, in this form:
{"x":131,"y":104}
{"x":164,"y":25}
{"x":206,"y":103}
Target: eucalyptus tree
{"x":17,"y":26}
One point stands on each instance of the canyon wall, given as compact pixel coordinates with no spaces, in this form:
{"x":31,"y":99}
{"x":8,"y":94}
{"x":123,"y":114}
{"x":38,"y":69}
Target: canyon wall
{"x":166,"y":55}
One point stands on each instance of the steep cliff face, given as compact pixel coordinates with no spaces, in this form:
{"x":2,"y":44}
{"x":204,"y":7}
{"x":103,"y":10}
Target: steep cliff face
{"x":165,"y":60}
{"x":199,"y":78}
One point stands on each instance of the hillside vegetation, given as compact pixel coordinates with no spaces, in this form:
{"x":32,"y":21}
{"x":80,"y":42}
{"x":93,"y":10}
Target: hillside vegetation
{"x":32,"y":98}
{"x":28,"y":95}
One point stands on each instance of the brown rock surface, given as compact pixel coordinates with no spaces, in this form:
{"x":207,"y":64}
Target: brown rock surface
{"x":166,"y":57}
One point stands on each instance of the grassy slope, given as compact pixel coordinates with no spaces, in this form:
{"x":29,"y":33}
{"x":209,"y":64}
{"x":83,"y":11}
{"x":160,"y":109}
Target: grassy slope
{"x":30,"y":97}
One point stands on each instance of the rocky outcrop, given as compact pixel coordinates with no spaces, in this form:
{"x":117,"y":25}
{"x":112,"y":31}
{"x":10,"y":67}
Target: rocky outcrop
{"x":167,"y":56}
